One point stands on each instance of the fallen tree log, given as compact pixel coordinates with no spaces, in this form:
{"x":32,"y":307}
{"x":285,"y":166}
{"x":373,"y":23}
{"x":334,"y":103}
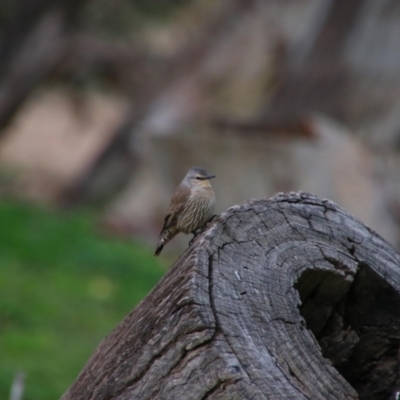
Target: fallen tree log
{"x":281,"y":298}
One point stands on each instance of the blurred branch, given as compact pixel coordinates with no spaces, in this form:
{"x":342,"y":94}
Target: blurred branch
{"x":300,"y":128}
{"x":124,"y":66}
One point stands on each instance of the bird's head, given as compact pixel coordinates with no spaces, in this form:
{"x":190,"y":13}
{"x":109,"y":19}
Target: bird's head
{"x":198,"y":176}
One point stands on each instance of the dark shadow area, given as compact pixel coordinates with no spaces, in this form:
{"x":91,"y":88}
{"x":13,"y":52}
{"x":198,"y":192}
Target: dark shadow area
{"x":357,"y":324}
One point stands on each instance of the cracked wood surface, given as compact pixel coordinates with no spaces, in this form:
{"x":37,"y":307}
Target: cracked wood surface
{"x":281,"y":298}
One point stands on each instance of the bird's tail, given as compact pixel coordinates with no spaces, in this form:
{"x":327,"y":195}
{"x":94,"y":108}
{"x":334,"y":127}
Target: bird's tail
{"x":165,"y":236}
{"x":160,"y":246}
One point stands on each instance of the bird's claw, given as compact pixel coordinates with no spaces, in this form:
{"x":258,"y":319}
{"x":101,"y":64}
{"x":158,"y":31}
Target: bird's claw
{"x":197,"y":233}
{"x":213,"y":218}
{"x":193,"y":238}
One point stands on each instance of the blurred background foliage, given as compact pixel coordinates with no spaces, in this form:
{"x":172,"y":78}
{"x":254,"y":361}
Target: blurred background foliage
{"x":104,"y":105}
{"x":63,"y":288}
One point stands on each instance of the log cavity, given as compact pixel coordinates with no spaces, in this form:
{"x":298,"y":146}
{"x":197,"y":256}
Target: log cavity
{"x":357,"y":325}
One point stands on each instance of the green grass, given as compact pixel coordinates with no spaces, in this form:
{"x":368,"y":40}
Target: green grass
{"x":62,"y":289}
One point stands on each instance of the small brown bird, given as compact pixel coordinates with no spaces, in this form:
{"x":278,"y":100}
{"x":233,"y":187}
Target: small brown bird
{"x":191,"y":206}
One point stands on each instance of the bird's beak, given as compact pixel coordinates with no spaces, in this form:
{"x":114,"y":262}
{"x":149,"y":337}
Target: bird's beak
{"x":210,"y":176}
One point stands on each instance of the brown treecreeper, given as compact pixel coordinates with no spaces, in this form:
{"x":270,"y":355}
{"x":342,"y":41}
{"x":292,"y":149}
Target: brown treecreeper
{"x":191,"y":207}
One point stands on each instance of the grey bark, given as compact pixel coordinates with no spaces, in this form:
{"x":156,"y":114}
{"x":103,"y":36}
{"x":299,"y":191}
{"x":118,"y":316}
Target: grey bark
{"x":281,"y":298}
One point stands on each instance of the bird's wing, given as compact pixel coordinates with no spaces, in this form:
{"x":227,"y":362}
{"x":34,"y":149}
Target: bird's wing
{"x":176,"y":206}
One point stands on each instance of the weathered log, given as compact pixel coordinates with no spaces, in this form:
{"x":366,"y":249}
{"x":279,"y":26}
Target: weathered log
{"x":281,"y":298}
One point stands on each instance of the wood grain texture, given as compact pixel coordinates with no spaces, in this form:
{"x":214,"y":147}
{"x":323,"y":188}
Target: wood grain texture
{"x":281,"y":298}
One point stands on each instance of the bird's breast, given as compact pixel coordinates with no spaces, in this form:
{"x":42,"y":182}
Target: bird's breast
{"x":198,"y":210}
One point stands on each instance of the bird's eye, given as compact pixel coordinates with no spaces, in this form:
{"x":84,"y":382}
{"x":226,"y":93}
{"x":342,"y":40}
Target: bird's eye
{"x":199,"y":178}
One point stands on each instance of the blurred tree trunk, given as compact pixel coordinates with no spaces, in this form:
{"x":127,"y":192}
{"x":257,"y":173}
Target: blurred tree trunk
{"x":317,"y":81}
{"x":33,"y":46}
{"x":347,"y":72}
{"x":286,"y":298}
